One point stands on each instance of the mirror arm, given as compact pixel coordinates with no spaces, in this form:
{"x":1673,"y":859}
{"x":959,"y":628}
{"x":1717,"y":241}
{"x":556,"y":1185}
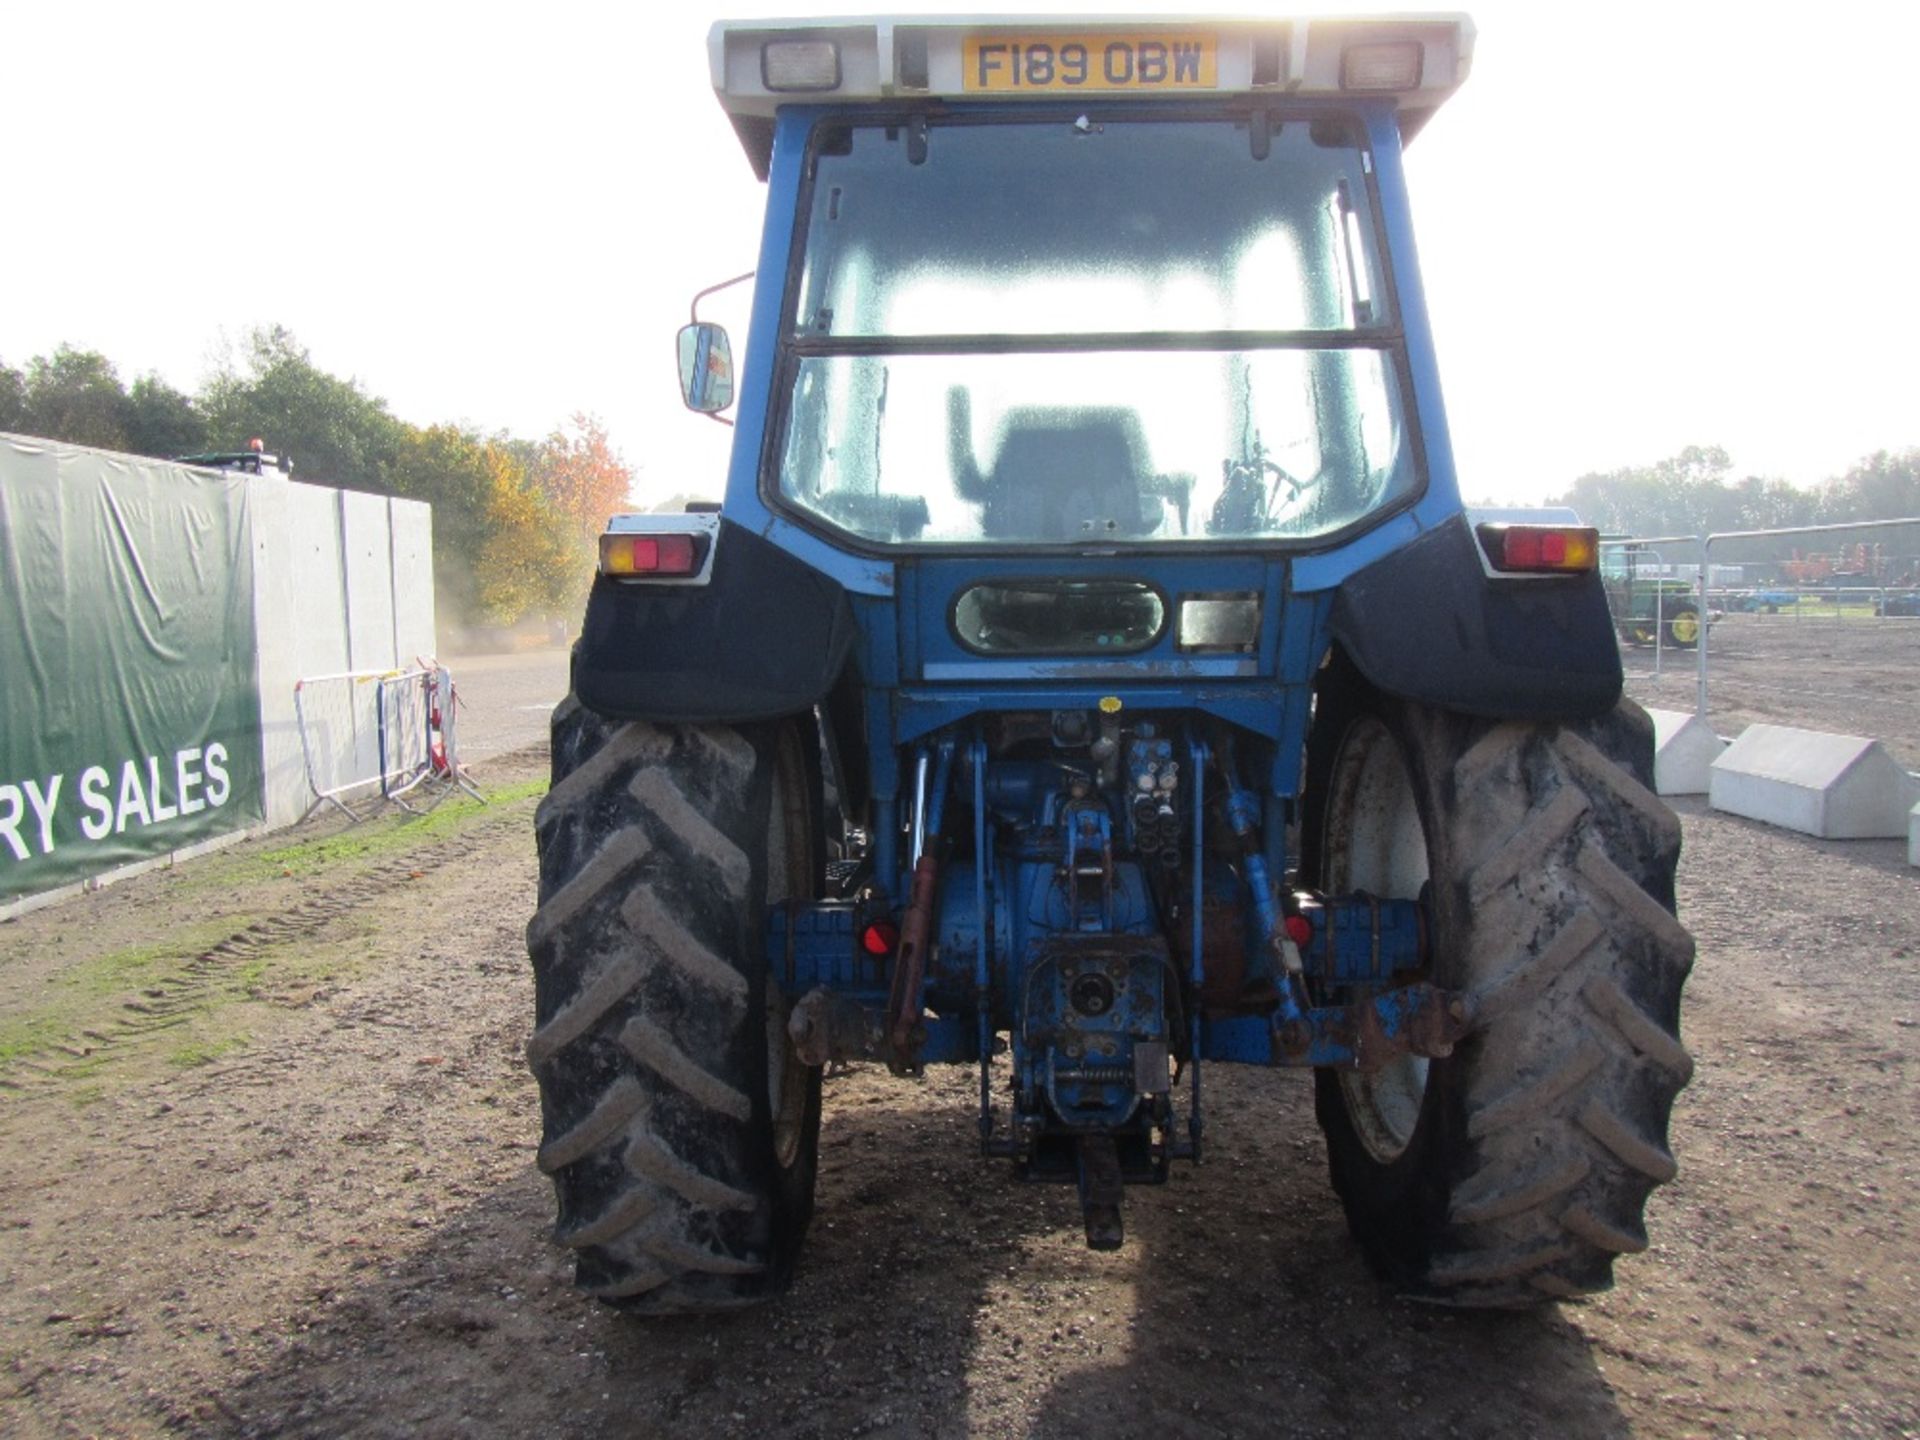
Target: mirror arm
{"x":693,"y":310}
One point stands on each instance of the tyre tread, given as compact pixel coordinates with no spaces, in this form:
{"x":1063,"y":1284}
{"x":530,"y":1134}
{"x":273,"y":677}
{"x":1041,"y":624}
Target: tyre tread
{"x":1594,"y":928}
{"x":623,"y":1100}
{"x":1554,"y":864}
{"x":652,"y":1046}
{"x":646,"y":1046}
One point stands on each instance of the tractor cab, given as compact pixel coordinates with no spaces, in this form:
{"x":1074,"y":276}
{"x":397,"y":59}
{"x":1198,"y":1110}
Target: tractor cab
{"x":1051,"y":286}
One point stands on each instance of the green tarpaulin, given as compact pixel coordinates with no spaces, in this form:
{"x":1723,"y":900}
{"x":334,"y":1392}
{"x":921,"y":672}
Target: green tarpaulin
{"x":129,"y":719}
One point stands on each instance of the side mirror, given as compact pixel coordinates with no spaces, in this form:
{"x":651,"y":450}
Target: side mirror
{"x":706,"y":368}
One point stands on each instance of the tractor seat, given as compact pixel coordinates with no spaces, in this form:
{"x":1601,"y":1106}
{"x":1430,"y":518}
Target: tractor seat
{"x":1064,"y":476}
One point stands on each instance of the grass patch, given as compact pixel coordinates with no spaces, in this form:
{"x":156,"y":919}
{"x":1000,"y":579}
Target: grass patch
{"x":27,"y":1035}
{"x":370,"y":840}
{"x":47,"y":1036}
{"x":138,"y":965}
{"x":204,"y":1052}
{"x":84,"y":996}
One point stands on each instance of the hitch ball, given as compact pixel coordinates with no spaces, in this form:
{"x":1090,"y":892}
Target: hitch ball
{"x":1091,"y":993}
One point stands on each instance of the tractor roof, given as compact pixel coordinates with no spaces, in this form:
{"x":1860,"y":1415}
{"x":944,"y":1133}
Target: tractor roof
{"x":1417,"y":61}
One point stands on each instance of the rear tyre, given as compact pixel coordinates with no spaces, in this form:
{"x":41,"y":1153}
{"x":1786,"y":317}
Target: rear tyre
{"x":680,"y":1132}
{"x":1516,"y":1169}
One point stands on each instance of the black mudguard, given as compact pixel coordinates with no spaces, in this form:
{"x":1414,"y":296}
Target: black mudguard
{"x":766,"y":637}
{"x":1426,"y":623}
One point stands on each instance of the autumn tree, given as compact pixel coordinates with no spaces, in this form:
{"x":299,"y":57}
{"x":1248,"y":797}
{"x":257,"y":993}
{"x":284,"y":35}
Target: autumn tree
{"x":583,"y":477}
{"x":529,"y":563}
{"x":448,"y":467}
{"x":501,"y":551}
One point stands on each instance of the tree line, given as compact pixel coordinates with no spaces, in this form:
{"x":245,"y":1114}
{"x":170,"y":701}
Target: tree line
{"x":1696,"y":492}
{"x":515,"y":521}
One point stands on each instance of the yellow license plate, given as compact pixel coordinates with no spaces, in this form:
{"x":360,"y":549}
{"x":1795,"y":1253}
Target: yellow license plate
{"x":1030,"y":64}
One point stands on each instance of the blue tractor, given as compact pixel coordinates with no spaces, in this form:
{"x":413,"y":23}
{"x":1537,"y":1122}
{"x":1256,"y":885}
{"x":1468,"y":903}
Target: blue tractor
{"x":1091,"y":677}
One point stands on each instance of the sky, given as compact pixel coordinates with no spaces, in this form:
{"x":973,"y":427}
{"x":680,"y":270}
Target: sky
{"x":1640,"y":226}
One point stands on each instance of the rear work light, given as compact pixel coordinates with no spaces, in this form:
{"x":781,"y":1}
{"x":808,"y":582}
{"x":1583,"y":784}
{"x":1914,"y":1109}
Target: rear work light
{"x":667,"y":557}
{"x":1540,"y":549}
{"x":790,"y":65}
{"x":1383,"y":65}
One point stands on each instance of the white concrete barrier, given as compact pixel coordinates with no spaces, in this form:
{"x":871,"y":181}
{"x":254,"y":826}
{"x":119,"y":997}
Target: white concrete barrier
{"x":342,"y":581}
{"x":1913,"y":836}
{"x":1836,"y":787}
{"x":1684,"y":749}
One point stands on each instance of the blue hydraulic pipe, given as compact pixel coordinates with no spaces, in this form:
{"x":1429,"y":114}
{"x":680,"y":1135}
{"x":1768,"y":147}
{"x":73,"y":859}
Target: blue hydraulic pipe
{"x":982,"y":970}
{"x":1196,"y":970}
{"x":886,"y":845}
{"x":937,"y":797}
{"x":1243,"y":810}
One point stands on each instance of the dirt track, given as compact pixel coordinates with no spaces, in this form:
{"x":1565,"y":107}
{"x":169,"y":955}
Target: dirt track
{"x":1859,"y":675}
{"x":292,"y":1192}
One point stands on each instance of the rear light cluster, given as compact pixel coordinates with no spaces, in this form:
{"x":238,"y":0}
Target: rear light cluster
{"x":1541,"y":549}
{"x":675,"y":556}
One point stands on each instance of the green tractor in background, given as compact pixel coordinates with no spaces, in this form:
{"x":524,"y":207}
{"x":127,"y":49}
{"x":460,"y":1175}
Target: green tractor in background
{"x":1648,"y":608}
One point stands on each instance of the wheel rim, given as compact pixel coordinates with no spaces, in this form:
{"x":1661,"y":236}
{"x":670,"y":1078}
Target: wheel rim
{"x":1684,"y":628}
{"x":789,"y":876}
{"x":786,"y":1082}
{"x":1375,"y":843}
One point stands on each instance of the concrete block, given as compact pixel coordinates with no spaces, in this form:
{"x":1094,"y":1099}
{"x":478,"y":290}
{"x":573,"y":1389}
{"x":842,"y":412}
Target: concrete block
{"x":1836,"y":787}
{"x":1913,"y":836}
{"x":1684,"y":749}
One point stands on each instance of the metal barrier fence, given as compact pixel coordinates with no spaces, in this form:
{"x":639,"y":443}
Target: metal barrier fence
{"x":379,"y":732}
{"x":1880,"y":602}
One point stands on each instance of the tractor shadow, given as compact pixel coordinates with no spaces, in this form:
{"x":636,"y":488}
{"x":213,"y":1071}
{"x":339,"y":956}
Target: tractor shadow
{"x":472,"y":1327}
{"x":938,"y":1296}
{"x":1256,"y":1315}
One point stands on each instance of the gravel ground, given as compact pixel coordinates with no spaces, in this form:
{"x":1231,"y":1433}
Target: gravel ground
{"x":266,"y":1168}
{"x":505,"y":699}
{"x":1858,"y":676}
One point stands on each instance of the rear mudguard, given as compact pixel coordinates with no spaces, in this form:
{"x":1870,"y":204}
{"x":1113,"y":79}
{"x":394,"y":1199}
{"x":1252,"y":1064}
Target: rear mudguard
{"x":1427,"y":623}
{"x":766,"y":637}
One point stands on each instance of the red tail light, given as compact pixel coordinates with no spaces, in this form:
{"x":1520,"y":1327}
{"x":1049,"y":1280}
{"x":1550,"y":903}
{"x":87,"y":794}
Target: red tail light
{"x":671,"y":556}
{"x":1541,"y":549}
